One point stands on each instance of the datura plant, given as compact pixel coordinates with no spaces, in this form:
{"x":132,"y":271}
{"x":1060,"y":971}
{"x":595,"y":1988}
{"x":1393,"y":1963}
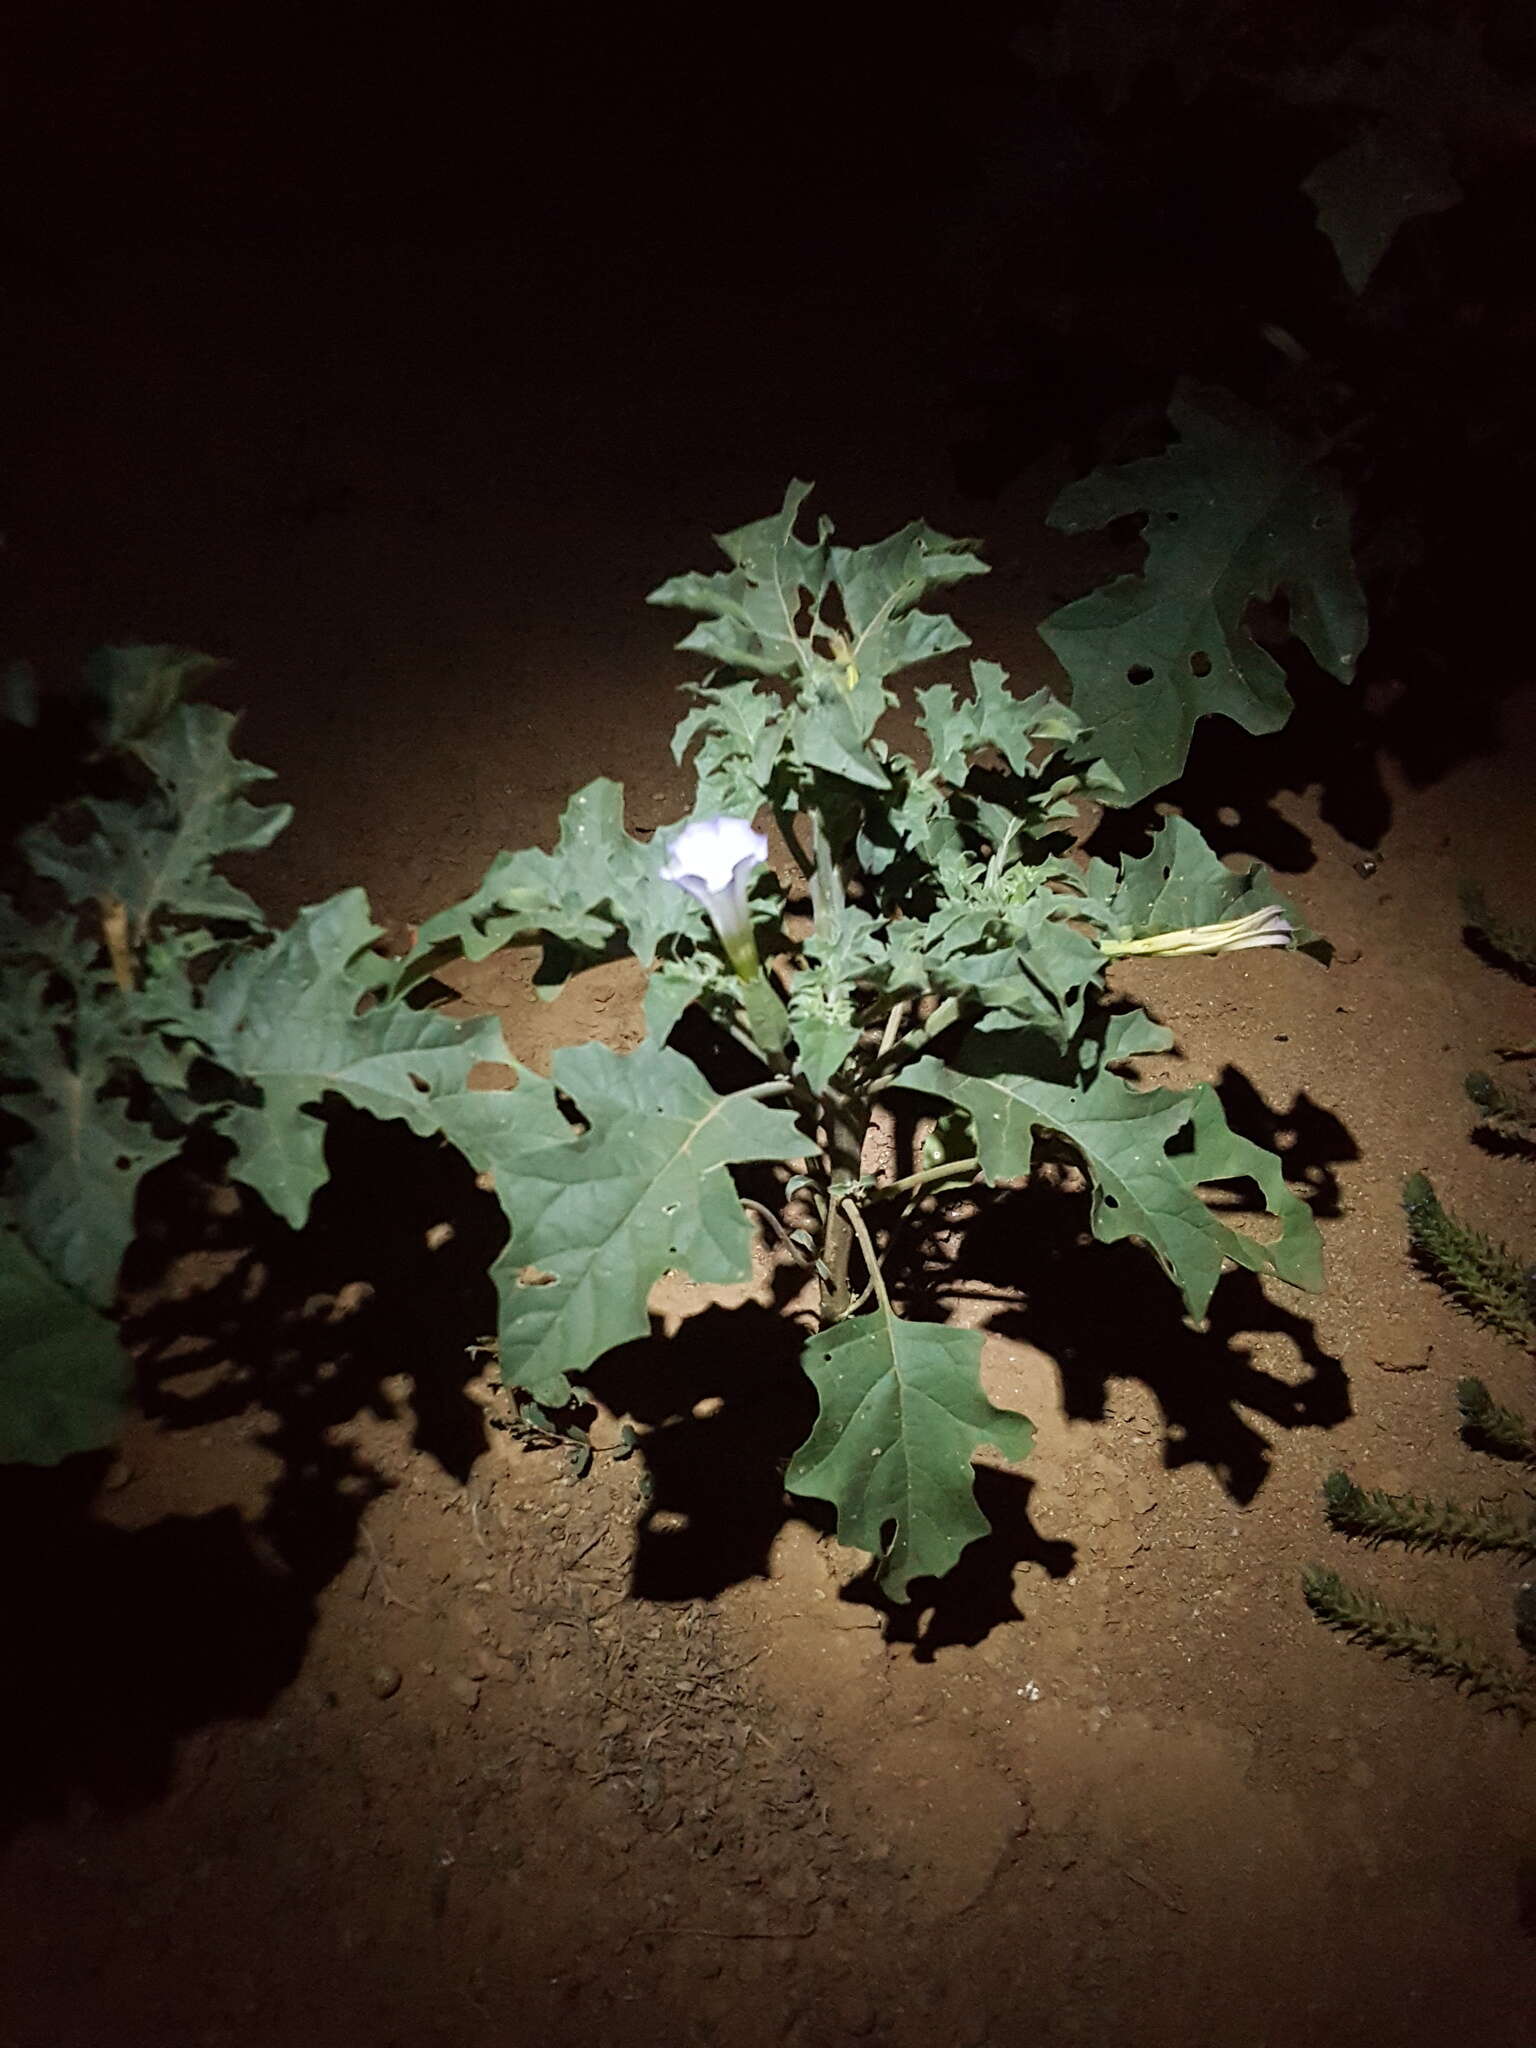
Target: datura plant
{"x":929,"y":956}
{"x":938,"y":947}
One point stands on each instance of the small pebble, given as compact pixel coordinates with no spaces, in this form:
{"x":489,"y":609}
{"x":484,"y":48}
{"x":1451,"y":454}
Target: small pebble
{"x":466,"y":1691}
{"x":384,"y":1681}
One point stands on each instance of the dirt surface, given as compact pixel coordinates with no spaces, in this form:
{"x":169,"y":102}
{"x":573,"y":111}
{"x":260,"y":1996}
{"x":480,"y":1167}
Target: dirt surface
{"x":344,"y":1712}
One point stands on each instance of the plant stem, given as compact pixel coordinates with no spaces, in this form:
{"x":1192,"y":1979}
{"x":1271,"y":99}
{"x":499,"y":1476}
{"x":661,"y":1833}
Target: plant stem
{"x":867,"y":1247}
{"x":919,"y":1036}
{"x":942,"y":1171}
{"x":827,"y":887}
{"x":893,"y":1024}
{"x":777,"y":1228}
{"x":844,"y":1123}
{"x":760,"y":1090}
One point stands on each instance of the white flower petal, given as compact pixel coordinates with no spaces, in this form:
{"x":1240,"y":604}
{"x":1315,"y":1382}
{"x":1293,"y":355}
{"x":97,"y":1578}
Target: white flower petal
{"x":706,"y":855}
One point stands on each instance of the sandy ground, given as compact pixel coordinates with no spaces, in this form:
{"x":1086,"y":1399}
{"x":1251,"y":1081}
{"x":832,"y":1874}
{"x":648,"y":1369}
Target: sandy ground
{"x":342,"y":1713}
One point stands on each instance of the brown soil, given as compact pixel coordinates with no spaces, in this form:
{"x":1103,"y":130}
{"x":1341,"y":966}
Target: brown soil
{"x":343,"y":1713}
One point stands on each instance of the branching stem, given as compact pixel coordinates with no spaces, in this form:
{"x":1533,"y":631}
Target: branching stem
{"x":914,"y":1041}
{"x":867,"y":1247}
{"x":945,"y":1170}
{"x":844,"y":1124}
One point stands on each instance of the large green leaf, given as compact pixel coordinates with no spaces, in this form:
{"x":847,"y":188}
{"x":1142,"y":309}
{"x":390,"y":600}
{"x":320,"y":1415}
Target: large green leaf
{"x":901,"y":1413}
{"x":598,"y":1215}
{"x":1369,"y":189}
{"x":770,"y":613}
{"x":1146,"y":1151}
{"x":286,"y":1020}
{"x":881,"y":587}
{"x":598,"y":889}
{"x":751,"y":610}
{"x":1237,"y":512}
{"x":157,"y":858}
{"x":75,"y":1177}
{"x":63,"y":1378}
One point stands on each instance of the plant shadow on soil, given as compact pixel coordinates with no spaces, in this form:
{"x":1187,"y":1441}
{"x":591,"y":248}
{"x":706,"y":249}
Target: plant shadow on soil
{"x":128,"y":1639}
{"x":1106,"y":1312}
{"x":133,"y":1638}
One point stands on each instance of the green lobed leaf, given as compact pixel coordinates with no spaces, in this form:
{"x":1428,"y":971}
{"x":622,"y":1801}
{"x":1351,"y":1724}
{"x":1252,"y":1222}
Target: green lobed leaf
{"x":993,"y":718}
{"x":739,"y":729}
{"x":157,"y":858}
{"x":55,"y":942}
{"x":1373,"y":186}
{"x":286,"y":1020}
{"x":881,"y":587}
{"x":1180,"y":882}
{"x":822,"y":998}
{"x":1237,"y":512}
{"x":827,"y":732}
{"x":64,"y":1381}
{"x":598,"y":891}
{"x":1146,"y":1151}
{"x":752,"y":608}
{"x":598,"y":1215}
{"x":902,"y":1411}
{"x":75,"y":1178}
{"x":1000,"y":940}
{"x":773,"y":613}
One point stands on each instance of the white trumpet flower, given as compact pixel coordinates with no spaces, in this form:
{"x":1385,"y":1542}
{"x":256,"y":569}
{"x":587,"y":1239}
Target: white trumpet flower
{"x":713,"y":858}
{"x":1267,"y":927}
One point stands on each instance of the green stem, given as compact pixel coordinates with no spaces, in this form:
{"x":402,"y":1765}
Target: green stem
{"x":943,"y":1171}
{"x":914,"y":1041}
{"x":844,"y":1124}
{"x":893,"y":1024}
{"x":827,"y":887}
{"x":777,"y":1228}
{"x":867,"y":1247}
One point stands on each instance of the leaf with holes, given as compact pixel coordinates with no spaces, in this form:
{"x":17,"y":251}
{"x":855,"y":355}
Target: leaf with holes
{"x":902,"y":1411}
{"x":598,"y":1215}
{"x":1236,"y":513}
{"x":1146,"y":1151}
